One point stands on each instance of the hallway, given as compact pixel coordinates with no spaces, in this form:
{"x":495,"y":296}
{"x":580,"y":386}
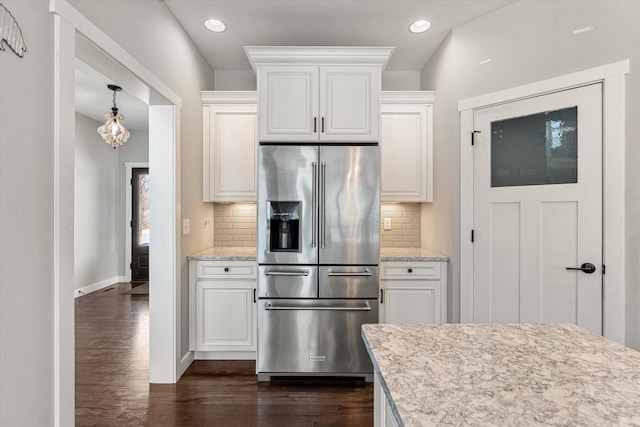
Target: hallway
{"x":112,"y":380}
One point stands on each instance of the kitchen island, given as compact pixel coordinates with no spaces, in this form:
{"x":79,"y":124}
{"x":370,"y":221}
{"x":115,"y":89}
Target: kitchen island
{"x":501,"y":375}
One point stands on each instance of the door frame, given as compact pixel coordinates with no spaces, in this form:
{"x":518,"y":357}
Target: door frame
{"x":166,"y":364}
{"x":612,"y":77}
{"x":129,"y":166}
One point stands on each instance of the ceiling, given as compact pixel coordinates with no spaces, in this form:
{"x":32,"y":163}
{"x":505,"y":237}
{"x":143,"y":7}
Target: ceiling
{"x":324,"y":23}
{"x":93,"y":99}
{"x":292,"y":23}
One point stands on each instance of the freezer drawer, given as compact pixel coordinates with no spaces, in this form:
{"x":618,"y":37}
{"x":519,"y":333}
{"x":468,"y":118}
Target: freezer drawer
{"x":309,"y":336}
{"x":288,"y":281}
{"x":348,"y":282}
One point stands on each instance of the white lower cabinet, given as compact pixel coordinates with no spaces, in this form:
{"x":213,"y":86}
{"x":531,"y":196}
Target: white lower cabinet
{"x":223,"y":309}
{"x":382,"y":412}
{"x":413,"y":292}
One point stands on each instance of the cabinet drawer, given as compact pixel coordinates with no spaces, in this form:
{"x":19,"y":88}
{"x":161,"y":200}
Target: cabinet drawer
{"x":411,"y":270}
{"x":225,"y":270}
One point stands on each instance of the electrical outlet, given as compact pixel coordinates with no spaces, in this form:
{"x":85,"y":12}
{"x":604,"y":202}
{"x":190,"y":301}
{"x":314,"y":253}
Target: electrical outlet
{"x":186,"y":226}
{"x":387,"y":223}
{"x":207,"y":223}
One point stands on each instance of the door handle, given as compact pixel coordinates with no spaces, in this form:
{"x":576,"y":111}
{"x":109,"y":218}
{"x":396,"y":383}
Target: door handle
{"x":587,"y":267}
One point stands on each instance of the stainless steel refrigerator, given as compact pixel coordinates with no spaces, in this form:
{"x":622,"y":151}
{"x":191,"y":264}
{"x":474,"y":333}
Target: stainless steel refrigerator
{"x":318,"y":241}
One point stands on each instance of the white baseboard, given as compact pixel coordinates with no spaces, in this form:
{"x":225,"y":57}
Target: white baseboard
{"x":185,"y":362}
{"x":97,"y":286}
{"x":225,"y":355}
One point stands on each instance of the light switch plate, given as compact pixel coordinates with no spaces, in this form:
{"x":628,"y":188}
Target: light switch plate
{"x":207,"y":223}
{"x":387,"y":223}
{"x":186,"y":226}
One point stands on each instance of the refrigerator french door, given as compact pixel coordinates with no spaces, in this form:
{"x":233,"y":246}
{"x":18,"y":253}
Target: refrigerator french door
{"x":318,"y":204}
{"x":318,"y":251}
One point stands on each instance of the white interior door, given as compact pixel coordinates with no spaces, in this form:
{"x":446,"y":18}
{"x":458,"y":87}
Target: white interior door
{"x":538,"y":210}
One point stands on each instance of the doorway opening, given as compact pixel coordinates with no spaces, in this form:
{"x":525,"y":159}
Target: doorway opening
{"x":140,"y":225}
{"x":137,"y":227}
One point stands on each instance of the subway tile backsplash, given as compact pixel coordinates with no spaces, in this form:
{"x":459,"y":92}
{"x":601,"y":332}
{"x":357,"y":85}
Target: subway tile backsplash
{"x":234,"y":225}
{"x":405,"y":225}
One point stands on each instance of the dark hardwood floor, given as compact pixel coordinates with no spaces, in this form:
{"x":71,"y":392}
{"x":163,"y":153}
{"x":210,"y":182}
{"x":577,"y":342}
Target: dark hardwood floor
{"x":112,"y":380}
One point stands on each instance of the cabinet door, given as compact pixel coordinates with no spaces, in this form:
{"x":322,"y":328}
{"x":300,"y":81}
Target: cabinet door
{"x":288,"y":103}
{"x":410,"y":301}
{"x":230,"y":153}
{"x":225,"y":316}
{"x":349,"y":103}
{"x":405,"y":153}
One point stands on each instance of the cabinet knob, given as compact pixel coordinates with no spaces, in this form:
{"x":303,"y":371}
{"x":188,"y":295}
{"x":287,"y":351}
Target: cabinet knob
{"x":226,"y":269}
{"x":409,"y":270}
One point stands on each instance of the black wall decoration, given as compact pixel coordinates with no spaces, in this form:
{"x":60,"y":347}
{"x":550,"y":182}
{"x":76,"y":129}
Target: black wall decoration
{"x":10,"y":32}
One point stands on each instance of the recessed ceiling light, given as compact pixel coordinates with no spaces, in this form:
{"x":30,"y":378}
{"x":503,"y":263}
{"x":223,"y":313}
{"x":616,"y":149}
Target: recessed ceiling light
{"x":215,"y":25}
{"x":420,"y":26}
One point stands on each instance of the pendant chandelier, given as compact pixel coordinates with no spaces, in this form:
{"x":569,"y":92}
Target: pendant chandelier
{"x":113,"y":132}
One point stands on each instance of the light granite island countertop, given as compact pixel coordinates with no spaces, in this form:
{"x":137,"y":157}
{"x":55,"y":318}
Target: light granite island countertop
{"x":504,"y":375}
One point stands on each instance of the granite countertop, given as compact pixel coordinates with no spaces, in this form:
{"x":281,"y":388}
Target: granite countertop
{"x":410,"y":254}
{"x":249,"y":254}
{"x":504,"y":375}
{"x":225,"y":254}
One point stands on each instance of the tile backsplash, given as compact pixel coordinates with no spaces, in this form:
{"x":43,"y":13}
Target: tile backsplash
{"x":234,"y":225}
{"x":405,"y":225}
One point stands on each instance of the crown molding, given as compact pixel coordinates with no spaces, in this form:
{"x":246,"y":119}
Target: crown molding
{"x":316,"y":55}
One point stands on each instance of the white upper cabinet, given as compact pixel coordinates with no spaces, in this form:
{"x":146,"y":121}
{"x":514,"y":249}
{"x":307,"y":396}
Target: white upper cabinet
{"x":288,"y":103}
{"x":310,"y":94}
{"x":349,"y":103}
{"x":406,"y":147}
{"x":229,"y":146}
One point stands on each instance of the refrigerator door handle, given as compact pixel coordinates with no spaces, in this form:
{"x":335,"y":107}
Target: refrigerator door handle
{"x":365,"y":273}
{"x":287,"y":273}
{"x":323,"y":173}
{"x":365,"y":307}
{"x":314,"y":206}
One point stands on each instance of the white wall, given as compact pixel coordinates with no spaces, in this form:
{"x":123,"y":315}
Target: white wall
{"x":96,"y":249}
{"x":26,"y":223}
{"x":439,"y":231}
{"x":530,"y":41}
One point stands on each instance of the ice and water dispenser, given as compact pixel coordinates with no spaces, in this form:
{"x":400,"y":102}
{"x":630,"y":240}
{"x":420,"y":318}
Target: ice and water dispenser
{"x":284,"y":226}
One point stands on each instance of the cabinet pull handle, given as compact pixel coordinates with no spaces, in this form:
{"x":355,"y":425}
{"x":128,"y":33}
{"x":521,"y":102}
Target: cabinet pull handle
{"x":322,"y":129}
{"x":315,"y":124}
{"x":409,"y":270}
{"x":254,"y":295}
{"x":381,"y":296}
{"x":226,"y":269}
